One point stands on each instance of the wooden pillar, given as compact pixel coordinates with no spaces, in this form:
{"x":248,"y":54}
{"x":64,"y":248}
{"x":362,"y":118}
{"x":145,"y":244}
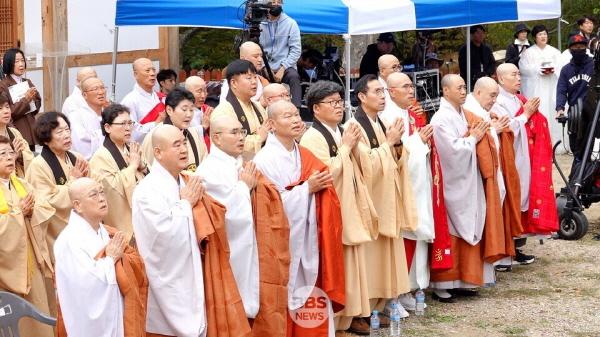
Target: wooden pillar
{"x":54,"y":40}
{"x":168,"y":44}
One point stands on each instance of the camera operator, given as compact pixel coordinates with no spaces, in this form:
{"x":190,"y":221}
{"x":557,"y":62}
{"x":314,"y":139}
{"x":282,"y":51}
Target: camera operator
{"x":280,"y":39}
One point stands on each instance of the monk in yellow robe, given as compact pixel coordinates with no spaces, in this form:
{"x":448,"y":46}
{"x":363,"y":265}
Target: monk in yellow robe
{"x":118,"y":166}
{"x":24,"y":259}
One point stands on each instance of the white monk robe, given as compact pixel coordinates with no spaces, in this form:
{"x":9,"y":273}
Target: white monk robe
{"x":543,"y":86}
{"x":463,"y":186}
{"x":195,"y":133}
{"x":166,"y":239}
{"x":220,"y":173}
{"x":74,"y":102}
{"x":86,"y":131}
{"x":140,"y":103}
{"x":419,"y":168}
{"x":508,"y":104}
{"x":359,"y":219}
{"x":89,"y":296}
{"x":387,"y":269}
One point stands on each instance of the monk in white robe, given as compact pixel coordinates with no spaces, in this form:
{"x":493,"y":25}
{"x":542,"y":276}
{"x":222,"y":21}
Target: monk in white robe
{"x":334,"y":148}
{"x":86,"y":129}
{"x":143,"y":102}
{"x":241,"y":76}
{"x":315,"y":232}
{"x":90,"y":300}
{"x":387,"y":64}
{"x":118,"y":166}
{"x":383,"y":164}
{"x":539,"y":65}
{"x":166,"y":238}
{"x":51,"y":173}
{"x":75,"y":101}
{"x":402,"y":96}
{"x":230,"y":182}
{"x":463,"y":189}
{"x":180,"y":112}
{"x":20,"y":145}
{"x":25,"y":265}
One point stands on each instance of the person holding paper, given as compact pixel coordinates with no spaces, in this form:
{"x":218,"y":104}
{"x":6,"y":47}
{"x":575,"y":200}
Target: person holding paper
{"x":25,"y":101}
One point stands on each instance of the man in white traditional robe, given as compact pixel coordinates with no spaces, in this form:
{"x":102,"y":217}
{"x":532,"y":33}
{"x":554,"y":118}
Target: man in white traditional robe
{"x":402,"y":95}
{"x":388,"y":64}
{"x":90,"y":300}
{"x":539,"y":67}
{"x":197,"y":86}
{"x":464,"y":193}
{"x":166,"y":239}
{"x":508,"y":104}
{"x":75,"y":101}
{"x":230,"y":182}
{"x":280,"y":161}
{"x":143,"y":102}
{"x":86,"y":130}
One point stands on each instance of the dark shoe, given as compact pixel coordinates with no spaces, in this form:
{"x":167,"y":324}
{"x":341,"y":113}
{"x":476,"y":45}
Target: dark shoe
{"x":523,"y":259}
{"x":443,"y":299}
{"x":384,"y":321}
{"x":359,"y":326}
{"x":458,"y":292}
{"x":503,"y":268}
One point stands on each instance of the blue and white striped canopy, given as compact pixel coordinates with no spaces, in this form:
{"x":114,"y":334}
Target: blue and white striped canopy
{"x":340,"y":16}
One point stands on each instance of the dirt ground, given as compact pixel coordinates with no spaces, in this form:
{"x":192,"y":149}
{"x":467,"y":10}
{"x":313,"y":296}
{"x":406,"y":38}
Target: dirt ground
{"x":557,"y":295}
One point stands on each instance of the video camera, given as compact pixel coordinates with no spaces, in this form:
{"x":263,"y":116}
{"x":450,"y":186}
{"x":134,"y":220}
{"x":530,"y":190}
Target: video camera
{"x":257,"y":11}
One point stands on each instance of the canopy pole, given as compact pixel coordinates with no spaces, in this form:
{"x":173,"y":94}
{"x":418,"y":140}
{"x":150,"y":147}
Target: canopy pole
{"x":347,"y":60}
{"x":468,"y":59}
{"x":113,"y":87}
{"x":559,"y":47}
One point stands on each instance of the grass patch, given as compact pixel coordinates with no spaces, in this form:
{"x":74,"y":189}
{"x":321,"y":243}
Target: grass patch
{"x":514,"y":331}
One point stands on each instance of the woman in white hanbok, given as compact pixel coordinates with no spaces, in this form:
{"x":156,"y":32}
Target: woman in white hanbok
{"x":539,"y":73}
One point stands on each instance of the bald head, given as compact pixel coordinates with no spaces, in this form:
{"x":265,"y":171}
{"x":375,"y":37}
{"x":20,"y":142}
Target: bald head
{"x":451,"y":79}
{"x":486,"y":92}
{"x":250,"y":51}
{"x":163,"y":135}
{"x":505,"y":69}
{"x":280,"y":107}
{"x":509,"y":77}
{"x":274,"y":92}
{"x":388,"y":64}
{"x":222,"y":123}
{"x":144,"y":73}
{"x":193,"y":82}
{"x":140,"y":63}
{"x":455,"y":90}
{"x":226,"y":133}
{"x":401,"y":89}
{"x":84,"y":73}
{"x":80,"y":188}
{"x":197,"y":86}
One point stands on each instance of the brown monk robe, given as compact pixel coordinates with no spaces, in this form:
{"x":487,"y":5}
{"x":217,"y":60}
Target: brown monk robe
{"x":272,"y":236}
{"x":133,"y":284}
{"x":511,"y":208}
{"x":493,"y":240}
{"x":225,"y":315}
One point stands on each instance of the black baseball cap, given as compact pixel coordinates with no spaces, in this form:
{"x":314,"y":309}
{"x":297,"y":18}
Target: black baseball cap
{"x":386,"y":37}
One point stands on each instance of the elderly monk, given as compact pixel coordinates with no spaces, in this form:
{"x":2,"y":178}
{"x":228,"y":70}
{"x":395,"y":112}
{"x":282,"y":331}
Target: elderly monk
{"x":383,"y":165}
{"x":532,"y":157}
{"x":274,"y":92}
{"x":118,"y":166}
{"x":86,"y":130}
{"x":313,"y":212}
{"x":334,"y":146}
{"x":55,"y":169}
{"x":197,"y":86}
{"x":25,"y":264}
{"x":229,"y":181}
{"x":143,"y":102}
{"x":464,"y":192}
{"x":241,"y":76}
{"x":252,"y":52}
{"x":166,"y":238}
{"x":180,"y":111}
{"x":23,"y":153}
{"x":416,"y":140}
{"x":75,"y":101}
{"x":388,"y":64}
{"x":100,"y":280}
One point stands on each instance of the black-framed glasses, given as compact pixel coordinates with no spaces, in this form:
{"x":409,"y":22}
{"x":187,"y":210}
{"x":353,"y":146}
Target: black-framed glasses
{"x":335,"y":102}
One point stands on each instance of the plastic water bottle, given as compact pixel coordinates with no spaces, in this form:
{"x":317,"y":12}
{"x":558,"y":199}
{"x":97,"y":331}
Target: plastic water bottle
{"x":420,"y":306}
{"x":375,"y":329}
{"x":395,"y":320}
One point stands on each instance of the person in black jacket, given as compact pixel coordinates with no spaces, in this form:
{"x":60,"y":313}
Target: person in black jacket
{"x":482,"y":58}
{"x":384,"y":45}
{"x":573,"y":85}
{"x":514,"y":50}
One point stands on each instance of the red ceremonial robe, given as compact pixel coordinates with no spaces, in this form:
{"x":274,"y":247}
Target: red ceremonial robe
{"x":331,"y":251}
{"x":542,"y":216}
{"x":152,"y":115}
